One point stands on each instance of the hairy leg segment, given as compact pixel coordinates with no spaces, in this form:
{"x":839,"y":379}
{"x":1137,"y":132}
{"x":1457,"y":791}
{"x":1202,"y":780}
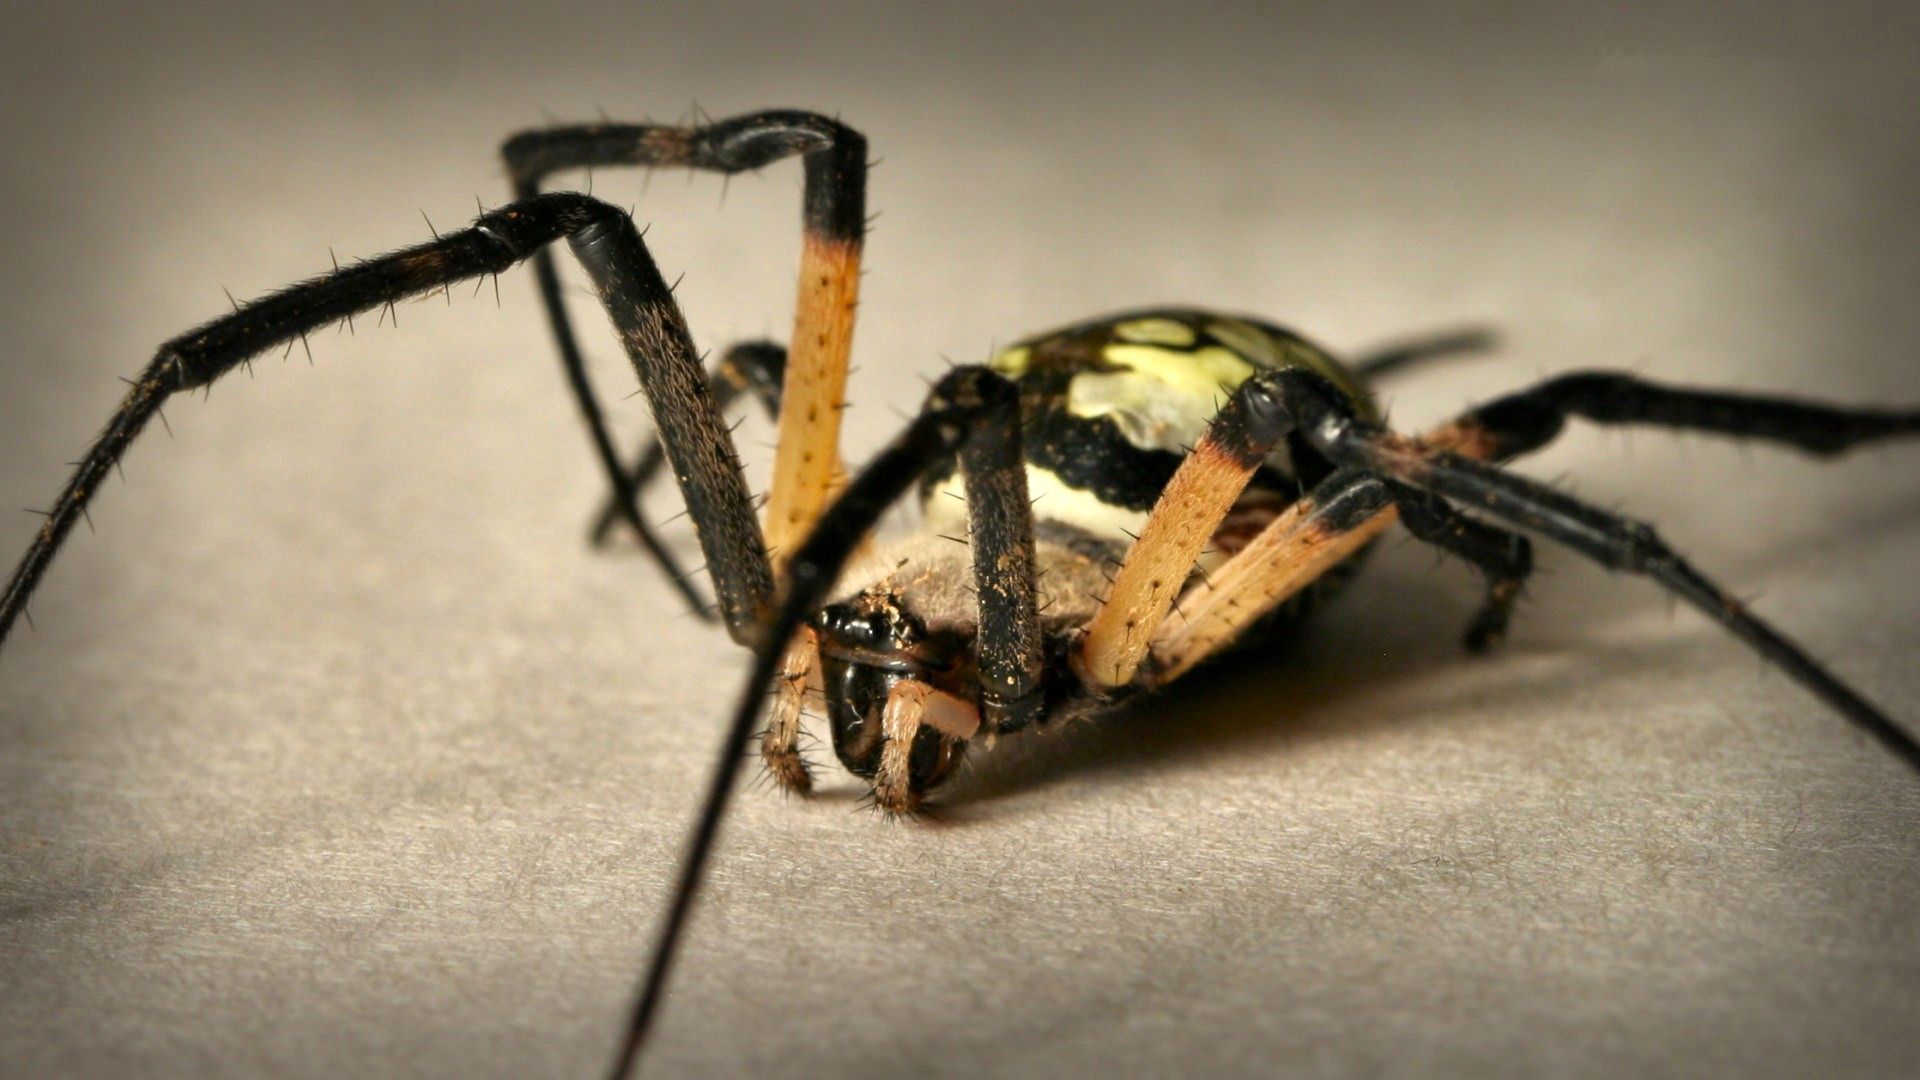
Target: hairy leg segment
{"x":643,"y":311}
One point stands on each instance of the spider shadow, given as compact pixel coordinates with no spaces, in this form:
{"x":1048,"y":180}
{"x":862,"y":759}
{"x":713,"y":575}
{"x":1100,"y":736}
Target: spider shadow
{"x":1395,"y":622}
{"x":1401,"y":621}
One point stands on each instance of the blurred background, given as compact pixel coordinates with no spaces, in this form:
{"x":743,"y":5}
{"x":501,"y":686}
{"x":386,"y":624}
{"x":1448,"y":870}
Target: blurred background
{"x":336,"y":751}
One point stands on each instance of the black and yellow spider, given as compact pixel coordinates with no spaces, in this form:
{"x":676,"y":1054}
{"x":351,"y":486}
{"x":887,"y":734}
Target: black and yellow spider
{"x":1078,"y":488}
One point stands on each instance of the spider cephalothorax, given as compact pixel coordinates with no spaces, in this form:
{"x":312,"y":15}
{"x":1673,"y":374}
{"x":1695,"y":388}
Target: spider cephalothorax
{"x":1106,"y":506}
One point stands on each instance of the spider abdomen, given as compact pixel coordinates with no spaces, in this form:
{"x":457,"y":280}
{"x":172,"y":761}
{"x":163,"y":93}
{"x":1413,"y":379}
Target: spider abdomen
{"x":1111,"y":406}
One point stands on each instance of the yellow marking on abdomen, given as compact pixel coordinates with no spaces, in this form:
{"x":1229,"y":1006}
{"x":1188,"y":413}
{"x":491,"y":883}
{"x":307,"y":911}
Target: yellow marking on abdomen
{"x":945,"y":507}
{"x":1162,"y":399}
{"x":1155,"y":331}
{"x":1012,"y":363}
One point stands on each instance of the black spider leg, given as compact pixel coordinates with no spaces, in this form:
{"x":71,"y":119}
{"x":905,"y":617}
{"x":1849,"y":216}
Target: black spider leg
{"x":1390,"y":359}
{"x":966,"y":409}
{"x":1007,"y":645}
{"x":1505,"y":558}
{"x":752,"y":366}
{"x":1615,"y":542}
{"x":1531,"y":418}
{"x":834,"y":207}
{"x":630,"y":285}
{"x":1527,"y":420}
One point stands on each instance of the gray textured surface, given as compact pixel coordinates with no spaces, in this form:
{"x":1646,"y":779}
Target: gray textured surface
{"x":335,"y":753}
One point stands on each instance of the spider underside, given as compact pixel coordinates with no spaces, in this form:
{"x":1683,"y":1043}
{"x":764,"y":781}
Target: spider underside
{"x":1106,"y":506}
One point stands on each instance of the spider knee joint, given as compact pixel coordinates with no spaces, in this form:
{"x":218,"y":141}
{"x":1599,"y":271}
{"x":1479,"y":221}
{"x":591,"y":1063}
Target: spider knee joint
{"x":1005,"y":717}
{"x":1638,"y":546}
{"x":971,"y":389}
{"x":1268,"y":406}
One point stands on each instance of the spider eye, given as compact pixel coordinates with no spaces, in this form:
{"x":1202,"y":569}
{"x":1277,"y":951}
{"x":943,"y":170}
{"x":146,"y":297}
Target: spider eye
{"x":872,"y":620}
{"x":848,"y":623}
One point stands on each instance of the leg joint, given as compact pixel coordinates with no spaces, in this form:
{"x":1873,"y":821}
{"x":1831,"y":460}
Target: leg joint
{"x":525,"y":226}
{"x":1273,"y":403}
{"x":968,"y":391}
{"x":760,"y":139}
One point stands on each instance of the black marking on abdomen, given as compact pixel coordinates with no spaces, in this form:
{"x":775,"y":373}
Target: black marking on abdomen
{"x":1092,"y":455}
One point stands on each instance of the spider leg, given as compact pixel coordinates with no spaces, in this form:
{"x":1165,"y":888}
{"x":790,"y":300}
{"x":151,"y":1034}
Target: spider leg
{"x":1621,"y":543}
{"x":780,"y":742}
{"x":900,"y":722}
{"x":626,"y":495}
{"x":629,"y":284}
{"x":1160,"y":562}
{"x":752,"y":366}
{"x":1616,"y":542}
{"x":1183,"y":520}
{"x":1317,"y":533}
{"x":1527,"y":420}
{"x":806,"y":462}
{"x":1277,"y":566}
{"x":1000,"y":534}
{"x":1390,"y":359}
{"x":965,"y":414}
{"x":1505,"y":558}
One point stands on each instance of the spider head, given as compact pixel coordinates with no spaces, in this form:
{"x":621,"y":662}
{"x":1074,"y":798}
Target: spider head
{"x":871,"y":644}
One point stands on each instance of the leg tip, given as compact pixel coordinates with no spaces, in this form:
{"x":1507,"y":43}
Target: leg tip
{"x":789,"y":771}
{"x":897,"y":805}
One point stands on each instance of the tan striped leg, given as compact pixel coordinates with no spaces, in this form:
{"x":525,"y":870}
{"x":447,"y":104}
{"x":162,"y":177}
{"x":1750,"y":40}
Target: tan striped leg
{"x":833,"y":220}
{"x":1310,"y":538}
{"x":899,"y":723}
{"x":1313,"y":536}
{"x":1184,"y":519}
{"x":780,"y":744}
{"x":806,"y":459}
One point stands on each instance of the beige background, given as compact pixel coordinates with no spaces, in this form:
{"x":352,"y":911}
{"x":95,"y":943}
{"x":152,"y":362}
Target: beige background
{"x":336,"y":753}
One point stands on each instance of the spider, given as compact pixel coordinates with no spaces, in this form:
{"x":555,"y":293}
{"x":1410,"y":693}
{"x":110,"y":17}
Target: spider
{"x":1105,"y":506}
